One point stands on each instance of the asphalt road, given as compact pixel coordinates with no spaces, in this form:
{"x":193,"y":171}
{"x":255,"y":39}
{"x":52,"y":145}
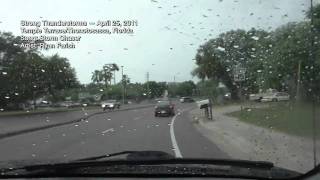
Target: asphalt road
{"x":114,"y":132}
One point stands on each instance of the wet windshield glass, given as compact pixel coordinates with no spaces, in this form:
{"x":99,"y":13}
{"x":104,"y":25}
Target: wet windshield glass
{"x":81,"y":79}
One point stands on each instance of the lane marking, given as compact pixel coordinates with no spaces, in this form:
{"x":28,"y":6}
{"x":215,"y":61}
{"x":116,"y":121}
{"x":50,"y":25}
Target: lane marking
{"x":173,"y":138}
{"x":108,"y":130}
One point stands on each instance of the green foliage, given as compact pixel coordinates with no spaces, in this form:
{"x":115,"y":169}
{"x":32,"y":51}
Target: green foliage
{"x":186,"y":88}
{"x":207,"y":88}
{"x":26,"y":74}
{"x":156,"y":89}
{"x":270,"y":59}
{"x":105,"y":74}
{"x":219,"y":58}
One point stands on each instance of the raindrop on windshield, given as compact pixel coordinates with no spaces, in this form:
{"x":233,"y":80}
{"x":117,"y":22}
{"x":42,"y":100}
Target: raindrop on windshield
{"x":221,"y":48}
{"x":255,"y":38}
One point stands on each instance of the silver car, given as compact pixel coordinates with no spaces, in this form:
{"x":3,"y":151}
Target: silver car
{"x":274,"y":97}
{"x":110,"y":104}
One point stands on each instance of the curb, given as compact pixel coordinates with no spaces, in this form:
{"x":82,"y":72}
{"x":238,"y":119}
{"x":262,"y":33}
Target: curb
{"x":28,"y":130}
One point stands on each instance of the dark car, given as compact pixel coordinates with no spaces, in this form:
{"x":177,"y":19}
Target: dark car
{"x":164,"y":108}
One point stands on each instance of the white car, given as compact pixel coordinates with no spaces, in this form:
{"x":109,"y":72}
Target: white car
{"x":186,"y":99}
{"x":110,"y":104}
{"x":255,"y":97}
{"x":274,"y":97}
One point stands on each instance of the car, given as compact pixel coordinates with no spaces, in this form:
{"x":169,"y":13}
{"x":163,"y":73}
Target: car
{"x":255,"y":97}
{"x":274,"y":97}
{"x":164,"y":108}
{"x":110,"y":104}
{"x":258,"y":96}
{"x":66,"y":104}
{"x":227,"y":96}
{"x":186,"y":99}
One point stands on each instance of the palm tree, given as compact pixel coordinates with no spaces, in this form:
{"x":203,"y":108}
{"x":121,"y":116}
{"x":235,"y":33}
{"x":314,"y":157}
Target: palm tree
{"x":114,"y":68}
{"x":96,"y":76}
{"x":106,"y":75}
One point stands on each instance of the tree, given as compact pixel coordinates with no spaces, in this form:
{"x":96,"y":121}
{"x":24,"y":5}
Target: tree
{"x":106,"y":75}
{"x":114,"y":68}
{"x":186,"y":88}
{"x":219,"y":57}
{"x":103,"y":75}
{"x":27,"y":74}
{"x":156,"y":89}
{"x":59,"y":74}
{"x":96,"y":77}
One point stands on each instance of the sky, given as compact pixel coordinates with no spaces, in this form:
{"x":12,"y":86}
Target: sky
{"x":166,"y":39}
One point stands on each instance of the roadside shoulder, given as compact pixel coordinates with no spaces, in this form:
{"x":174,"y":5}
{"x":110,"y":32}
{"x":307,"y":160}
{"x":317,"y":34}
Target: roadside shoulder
{"x":246,"y":141}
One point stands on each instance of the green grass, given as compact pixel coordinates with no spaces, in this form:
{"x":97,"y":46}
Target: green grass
{"x":45,"y":110}
{"x":285,"y":117}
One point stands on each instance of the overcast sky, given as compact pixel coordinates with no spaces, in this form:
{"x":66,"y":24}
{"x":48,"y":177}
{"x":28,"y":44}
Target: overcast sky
{"x":167,"y":37}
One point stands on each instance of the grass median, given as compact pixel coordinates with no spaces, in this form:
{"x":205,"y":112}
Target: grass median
{"x":287,"y":117}
{"x":45,"y":110}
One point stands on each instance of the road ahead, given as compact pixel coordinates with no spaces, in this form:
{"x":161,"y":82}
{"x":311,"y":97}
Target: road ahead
{"x":113,"y":132}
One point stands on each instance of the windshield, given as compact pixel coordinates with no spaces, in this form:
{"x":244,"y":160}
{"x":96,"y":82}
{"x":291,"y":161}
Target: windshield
{"x":242,"y":77}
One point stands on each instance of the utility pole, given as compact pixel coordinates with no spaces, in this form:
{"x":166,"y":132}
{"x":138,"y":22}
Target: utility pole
{"x":114,"y":77}
{"x":148,"y":90}
{"x":122,"y":85}
{"x":298,"y":81}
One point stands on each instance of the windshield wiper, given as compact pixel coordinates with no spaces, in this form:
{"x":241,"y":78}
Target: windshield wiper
{"x":133,"y":155}
{"x":150,"y":158}
{"x":136,"y":161}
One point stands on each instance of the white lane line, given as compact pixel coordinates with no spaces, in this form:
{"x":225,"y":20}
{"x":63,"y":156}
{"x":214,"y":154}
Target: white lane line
{"x":108,"y":130}
{"x":173,"y":138}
